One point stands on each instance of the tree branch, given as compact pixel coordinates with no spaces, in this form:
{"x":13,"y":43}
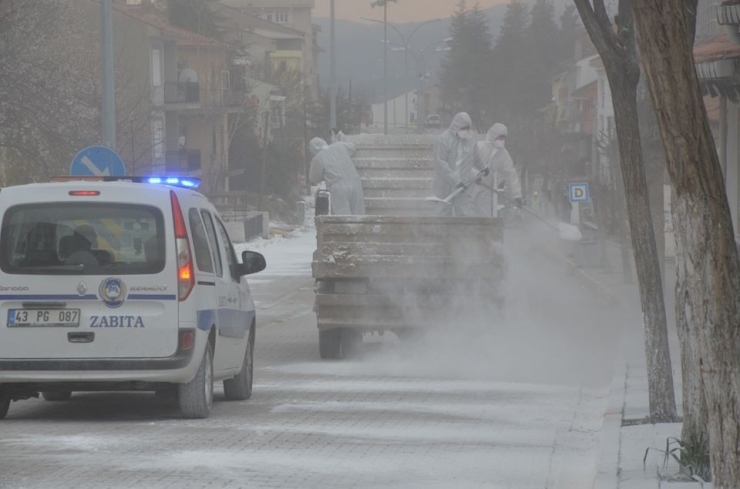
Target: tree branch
{"x":601,"y":15}
{"x":601,"y":35}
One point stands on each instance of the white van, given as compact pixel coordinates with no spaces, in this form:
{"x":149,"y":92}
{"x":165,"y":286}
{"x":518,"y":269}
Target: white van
{"x":122,"y":283}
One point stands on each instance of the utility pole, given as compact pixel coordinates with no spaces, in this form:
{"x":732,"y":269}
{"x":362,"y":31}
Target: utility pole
{"x":307,"y":161}
{"x":385,"y":67}
{"x":406,"y":47}
{"x":333,"y":82}
{"x":264,"y":159}
{"x":109,"y":87}
{"x":133,"y":152}
{"x":349,"y":104}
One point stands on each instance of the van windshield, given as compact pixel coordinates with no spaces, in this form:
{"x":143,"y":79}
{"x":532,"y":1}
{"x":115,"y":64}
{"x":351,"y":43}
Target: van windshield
{"x":82,"y":239}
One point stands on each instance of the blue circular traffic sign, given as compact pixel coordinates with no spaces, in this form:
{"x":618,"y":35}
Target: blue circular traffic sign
{"x":97,"y":161}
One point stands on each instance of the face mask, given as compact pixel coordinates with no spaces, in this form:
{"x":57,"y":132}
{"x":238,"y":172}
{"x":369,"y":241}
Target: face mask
{"x":466,"y":134}
{"x":499,"y":143}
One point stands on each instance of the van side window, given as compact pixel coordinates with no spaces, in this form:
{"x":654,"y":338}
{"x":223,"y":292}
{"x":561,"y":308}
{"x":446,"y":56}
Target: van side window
{"x":230,"y":255}
{"x":211,"y":232}
{"x":200,"y":242}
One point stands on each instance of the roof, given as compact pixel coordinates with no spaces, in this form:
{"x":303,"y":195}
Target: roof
{"x":270,"y":30}
{"x":183,"y":36}
{"x":716,"y":48}
{"x":590,"y":90}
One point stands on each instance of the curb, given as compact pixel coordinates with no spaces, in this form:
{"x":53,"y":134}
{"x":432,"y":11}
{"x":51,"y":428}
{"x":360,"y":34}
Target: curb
{"x":607,"y":475}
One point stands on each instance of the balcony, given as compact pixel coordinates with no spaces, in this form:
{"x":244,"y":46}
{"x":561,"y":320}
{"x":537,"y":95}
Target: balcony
{"x":182,"y":93}
{"x":728,"y":13}
{"x":191,"y":95}
{"x":182,"y":161}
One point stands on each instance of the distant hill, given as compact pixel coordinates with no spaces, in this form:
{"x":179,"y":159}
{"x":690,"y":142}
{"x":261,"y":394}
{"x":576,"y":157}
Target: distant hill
{"x":360,"y":51}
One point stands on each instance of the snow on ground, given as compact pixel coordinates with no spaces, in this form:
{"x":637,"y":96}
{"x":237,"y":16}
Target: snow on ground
{"x":285,"y":256}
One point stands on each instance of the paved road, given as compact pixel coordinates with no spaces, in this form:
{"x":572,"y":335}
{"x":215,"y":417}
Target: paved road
{"x":517,"y":405}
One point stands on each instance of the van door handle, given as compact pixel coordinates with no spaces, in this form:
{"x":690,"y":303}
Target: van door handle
{"x":81,"y":337}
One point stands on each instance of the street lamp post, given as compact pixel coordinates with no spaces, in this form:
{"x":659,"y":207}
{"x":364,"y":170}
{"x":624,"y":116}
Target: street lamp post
{"x":333,"y":81}
{"x":384,"y":4}
{"x":406,"y":46}
{"x":421,"y":76}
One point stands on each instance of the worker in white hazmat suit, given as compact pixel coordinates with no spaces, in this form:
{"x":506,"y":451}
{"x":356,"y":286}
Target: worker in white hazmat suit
{"x":334,"y":165}
{"x":494,"y":155}
{"x":455,"y":161}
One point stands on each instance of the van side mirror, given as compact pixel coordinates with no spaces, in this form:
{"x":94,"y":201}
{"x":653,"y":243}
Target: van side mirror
{"x":252,"y":262}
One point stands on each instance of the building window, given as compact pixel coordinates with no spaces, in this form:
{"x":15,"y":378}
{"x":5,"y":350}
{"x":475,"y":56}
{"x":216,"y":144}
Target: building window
{"x":278,"y":16}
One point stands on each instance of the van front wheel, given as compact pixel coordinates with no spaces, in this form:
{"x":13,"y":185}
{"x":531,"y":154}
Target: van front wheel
{"x":4,"y":406}
{"x":196,"y":397}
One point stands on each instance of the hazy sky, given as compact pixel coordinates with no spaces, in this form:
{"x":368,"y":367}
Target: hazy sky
{"x":403,"y":11}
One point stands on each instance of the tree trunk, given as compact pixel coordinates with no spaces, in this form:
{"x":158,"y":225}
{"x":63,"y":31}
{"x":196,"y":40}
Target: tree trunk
{"x":704,"y":228}
{"x":620,"y":205}
{"x":694,"y":405}
{"x":623,"y":77}
{"x":657,"y":205}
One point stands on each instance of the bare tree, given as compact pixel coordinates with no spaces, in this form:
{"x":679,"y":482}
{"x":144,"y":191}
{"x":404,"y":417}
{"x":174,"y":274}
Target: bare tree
{"x":47,"y":105}
{"x":617,"y":50}
{"x":708,"y":258}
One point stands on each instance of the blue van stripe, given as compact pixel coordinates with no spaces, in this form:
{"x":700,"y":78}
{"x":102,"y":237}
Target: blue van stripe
{"x":47,"y":297}
{"x":152,"y":297}
{"x":232,"y":323}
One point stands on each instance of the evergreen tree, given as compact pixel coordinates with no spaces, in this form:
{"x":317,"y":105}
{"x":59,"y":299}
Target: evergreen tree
{"x":466,"y":70}
{"x":542,"y":53}
{"x":510,"y":64}
{"x":452,"y":66}
{"x":479,"y":68}
{"x":567,"y":34}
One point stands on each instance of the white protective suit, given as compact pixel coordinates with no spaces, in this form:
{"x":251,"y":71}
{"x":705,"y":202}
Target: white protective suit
{"x":495,"y":156}
{"x":334,"y":165}
{"x":455,"y":161}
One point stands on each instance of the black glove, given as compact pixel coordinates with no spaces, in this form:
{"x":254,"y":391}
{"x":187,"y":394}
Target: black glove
{"x":519,"y":202}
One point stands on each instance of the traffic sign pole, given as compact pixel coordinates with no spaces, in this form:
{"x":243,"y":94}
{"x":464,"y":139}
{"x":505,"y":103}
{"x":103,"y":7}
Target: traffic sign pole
{"x":109,"y":84}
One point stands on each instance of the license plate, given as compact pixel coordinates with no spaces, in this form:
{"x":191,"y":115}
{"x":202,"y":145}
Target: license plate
{"x":43,"y":317}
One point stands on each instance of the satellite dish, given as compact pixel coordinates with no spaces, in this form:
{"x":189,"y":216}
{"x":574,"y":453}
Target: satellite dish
{"x":188,"y":75}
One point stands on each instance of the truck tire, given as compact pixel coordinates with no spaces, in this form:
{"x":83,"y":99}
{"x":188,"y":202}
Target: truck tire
{"x":57,"y":396}
{"x":240,"y":387}
{"x":4,"y":406}
{"x":351,"y":341}
{"x":330,"y":344}
{"x":196,"y":397}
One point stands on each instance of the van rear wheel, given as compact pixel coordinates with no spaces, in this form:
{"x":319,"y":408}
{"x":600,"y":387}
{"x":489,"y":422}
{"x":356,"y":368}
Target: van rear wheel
{"x":4,"y":406}
{"x":57,"y":396}
{"x":240,"y":387}
{"x":196,"y":397}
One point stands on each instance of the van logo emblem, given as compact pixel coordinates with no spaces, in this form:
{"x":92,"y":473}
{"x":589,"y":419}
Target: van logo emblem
{"x":112,"y":292}
{"x":82,"y":288}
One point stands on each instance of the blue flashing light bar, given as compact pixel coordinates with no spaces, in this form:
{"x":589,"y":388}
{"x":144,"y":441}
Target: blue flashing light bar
{"x":185,"y":182}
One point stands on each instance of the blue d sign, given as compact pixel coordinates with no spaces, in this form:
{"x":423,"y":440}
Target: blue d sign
{"x":97,"y":161}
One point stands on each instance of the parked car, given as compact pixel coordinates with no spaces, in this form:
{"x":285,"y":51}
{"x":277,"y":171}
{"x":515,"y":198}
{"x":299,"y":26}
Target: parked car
{"x":434,"y":121}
